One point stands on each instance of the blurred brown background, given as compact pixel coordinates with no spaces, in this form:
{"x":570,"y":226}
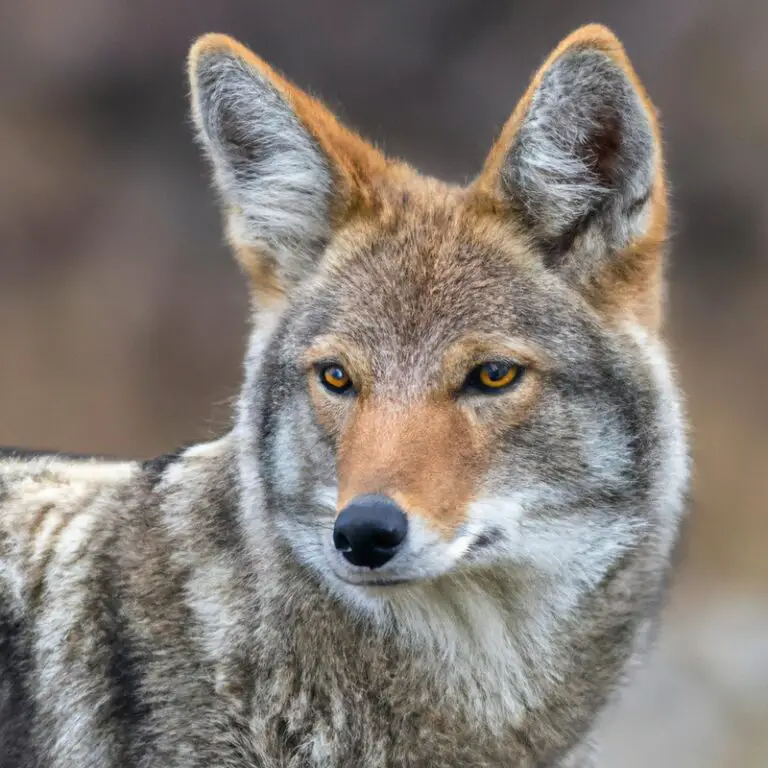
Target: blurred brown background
{"x":122,"y":317}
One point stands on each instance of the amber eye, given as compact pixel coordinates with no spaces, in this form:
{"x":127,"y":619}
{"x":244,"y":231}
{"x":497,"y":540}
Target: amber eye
{"x":493,"y":376}
{"x":335,"y":378}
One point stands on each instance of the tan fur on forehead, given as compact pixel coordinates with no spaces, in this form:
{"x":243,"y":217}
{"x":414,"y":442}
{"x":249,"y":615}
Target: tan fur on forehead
{"x":428,"y":219}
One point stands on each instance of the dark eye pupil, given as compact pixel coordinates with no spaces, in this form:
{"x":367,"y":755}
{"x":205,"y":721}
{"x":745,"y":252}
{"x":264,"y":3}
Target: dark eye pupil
{"x":336,"y":373}
{"x":495,"y":371}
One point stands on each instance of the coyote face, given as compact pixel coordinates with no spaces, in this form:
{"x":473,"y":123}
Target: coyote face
{"x":445,"y":382}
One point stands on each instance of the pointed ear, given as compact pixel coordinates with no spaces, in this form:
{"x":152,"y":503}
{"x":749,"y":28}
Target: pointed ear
{"x":287,"y":172}
{"x":579,"y":166}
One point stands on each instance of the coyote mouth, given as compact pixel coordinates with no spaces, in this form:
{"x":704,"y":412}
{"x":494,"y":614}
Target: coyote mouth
{"x":367,"y":582}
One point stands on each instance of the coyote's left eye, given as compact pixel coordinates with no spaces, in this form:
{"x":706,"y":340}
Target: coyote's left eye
{"x":493,"y":376}
{"x":334,"y":378}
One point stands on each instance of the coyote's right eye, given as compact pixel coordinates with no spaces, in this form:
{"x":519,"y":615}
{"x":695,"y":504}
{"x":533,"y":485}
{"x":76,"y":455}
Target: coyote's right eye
{"x":335,"y":379}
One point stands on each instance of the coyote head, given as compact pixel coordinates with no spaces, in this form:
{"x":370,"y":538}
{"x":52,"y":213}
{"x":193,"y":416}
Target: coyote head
{"x":446,"y":381}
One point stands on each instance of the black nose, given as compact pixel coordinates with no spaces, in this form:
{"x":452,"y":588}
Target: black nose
{"x":370,"y":530}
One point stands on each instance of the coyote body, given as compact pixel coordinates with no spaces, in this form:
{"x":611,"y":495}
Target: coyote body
{"x":441,"y":527}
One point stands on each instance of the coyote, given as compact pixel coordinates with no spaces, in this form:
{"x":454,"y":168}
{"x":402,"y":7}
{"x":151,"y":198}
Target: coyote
{"x":441,"y":527}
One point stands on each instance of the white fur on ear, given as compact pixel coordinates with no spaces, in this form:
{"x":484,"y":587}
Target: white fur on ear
{"x":581,"y":167}
{"x":273,"y":177}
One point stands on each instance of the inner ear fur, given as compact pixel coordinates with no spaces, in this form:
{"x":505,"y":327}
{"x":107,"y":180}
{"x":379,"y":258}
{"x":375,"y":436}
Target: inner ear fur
{"x":579,"y":168}
{"x":287,"y":171}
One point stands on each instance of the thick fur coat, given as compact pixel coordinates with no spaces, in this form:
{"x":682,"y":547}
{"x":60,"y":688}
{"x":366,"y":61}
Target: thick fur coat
{"x":196,"y":609}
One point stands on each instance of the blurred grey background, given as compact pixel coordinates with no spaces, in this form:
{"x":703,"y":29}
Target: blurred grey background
{"x":123,"y":318}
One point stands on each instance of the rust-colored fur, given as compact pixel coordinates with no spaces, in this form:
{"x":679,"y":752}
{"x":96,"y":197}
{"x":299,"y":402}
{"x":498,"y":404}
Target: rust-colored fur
{"x":635,"y":285}
{"x":366,"y":178}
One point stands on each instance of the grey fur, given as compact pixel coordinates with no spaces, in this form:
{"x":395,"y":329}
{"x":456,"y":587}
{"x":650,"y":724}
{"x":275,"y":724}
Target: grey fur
{"x":191,"y":611}
{"x":272,"y":176}
{"x":582,"y":164}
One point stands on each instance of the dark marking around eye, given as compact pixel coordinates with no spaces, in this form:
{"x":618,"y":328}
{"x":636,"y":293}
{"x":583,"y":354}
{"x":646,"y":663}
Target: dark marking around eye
{"x":493,"y":377}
